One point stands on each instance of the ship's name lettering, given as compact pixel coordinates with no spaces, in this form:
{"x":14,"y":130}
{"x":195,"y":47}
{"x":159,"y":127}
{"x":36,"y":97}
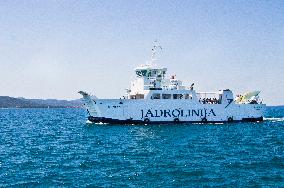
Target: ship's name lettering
{"x":177,"y":113}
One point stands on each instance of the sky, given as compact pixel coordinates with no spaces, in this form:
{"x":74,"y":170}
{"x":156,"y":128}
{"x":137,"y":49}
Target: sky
{"x":55,"y":48}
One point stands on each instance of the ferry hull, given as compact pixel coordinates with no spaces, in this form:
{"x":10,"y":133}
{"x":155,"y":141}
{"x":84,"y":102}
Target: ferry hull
{"x":136,"y":122}
{"x":125,"y":111}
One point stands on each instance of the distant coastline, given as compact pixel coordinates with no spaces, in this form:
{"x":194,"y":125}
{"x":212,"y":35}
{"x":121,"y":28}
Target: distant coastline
{"x":11,"y":102}
{"x":20,"y":102}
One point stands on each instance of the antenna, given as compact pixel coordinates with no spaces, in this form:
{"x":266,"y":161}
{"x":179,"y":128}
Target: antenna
{"x":155,"y":50}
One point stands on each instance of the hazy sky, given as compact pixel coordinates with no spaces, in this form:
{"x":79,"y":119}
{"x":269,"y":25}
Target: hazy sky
{"x":53,"y":49}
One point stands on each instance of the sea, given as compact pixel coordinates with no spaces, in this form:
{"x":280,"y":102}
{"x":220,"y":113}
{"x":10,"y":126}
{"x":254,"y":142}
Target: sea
{"x":57,"y":148}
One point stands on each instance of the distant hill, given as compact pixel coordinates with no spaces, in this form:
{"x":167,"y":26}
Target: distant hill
{"x":11,"y":102}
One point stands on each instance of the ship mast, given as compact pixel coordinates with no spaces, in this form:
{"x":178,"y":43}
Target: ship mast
{"x":156,"y":48}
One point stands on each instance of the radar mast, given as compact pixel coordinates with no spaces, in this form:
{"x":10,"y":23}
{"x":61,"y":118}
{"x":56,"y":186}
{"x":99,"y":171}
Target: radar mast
{"x":155,"y":51}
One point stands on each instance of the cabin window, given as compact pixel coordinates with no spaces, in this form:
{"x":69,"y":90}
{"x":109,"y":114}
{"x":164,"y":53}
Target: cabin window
{"x":177,"y":96}
{"x":187,"y":96}
{"x":137,"y":96}
{"x":174,"y":96}
{"x":166,"y":96}
{"x":132,"y":97}
{"x":156,"y":96}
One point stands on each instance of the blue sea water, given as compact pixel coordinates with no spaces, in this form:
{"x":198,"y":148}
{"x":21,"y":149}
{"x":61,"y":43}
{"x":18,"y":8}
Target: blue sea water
{"x":55,"y":147}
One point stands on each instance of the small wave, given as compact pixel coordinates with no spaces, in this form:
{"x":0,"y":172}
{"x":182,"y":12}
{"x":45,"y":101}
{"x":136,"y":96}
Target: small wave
{"x":89,"y":122}
{"x":274,"y":119}
{"x":100,"y":123}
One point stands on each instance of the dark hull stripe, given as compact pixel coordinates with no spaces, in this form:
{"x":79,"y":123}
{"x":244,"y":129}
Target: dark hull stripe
{"x":130,"y":121}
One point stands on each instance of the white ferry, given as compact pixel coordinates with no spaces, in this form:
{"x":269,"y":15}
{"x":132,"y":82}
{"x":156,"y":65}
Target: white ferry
{"x":154,"y":98}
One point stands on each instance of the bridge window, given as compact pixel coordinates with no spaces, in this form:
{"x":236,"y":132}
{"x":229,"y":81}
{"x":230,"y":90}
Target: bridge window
{"x":139,"y":73}
{"x":166,"y":96}
{"x":144,"y":72}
